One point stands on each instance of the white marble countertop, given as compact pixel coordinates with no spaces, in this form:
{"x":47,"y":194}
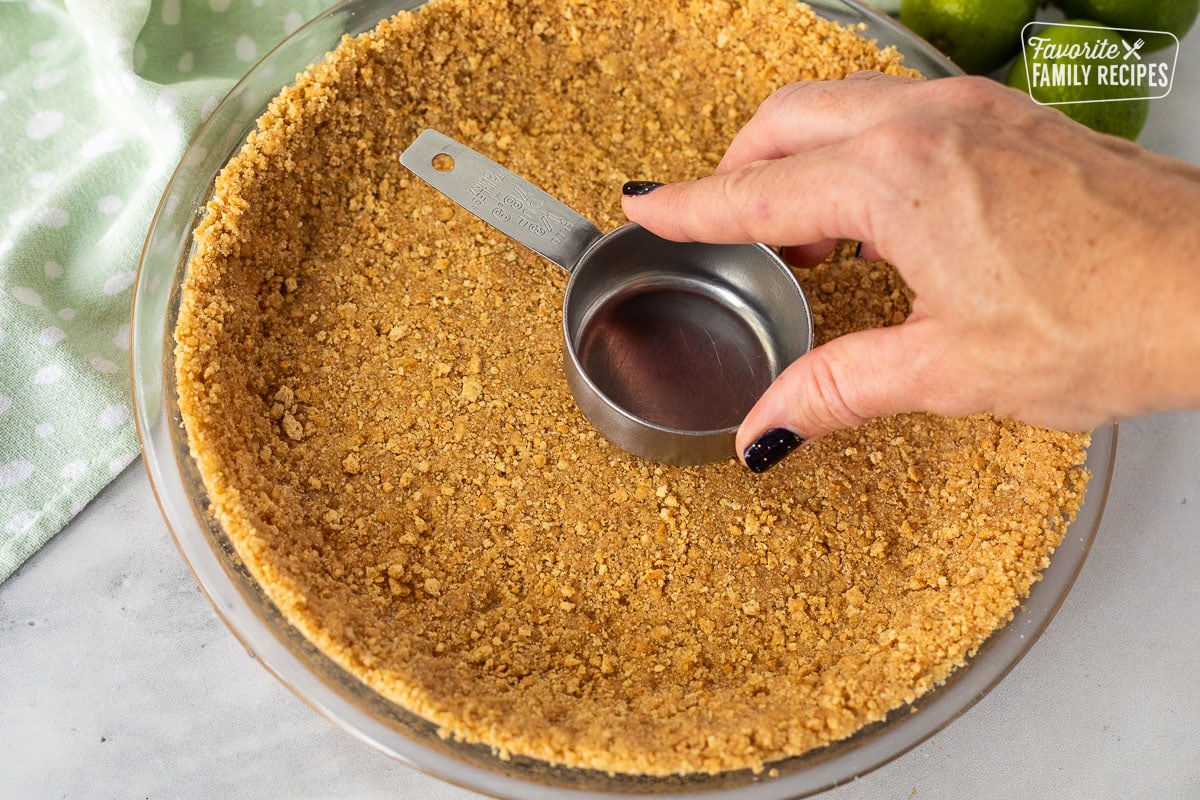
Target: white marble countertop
{"x":118,"y":680}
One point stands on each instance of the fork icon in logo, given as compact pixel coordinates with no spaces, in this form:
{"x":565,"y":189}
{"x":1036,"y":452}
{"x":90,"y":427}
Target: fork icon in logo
{"x":1132,"y":49}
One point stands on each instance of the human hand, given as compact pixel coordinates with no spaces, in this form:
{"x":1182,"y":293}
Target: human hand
{"x":1052,"y":266}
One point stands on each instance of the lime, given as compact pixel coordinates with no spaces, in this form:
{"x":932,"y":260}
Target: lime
{"x":978,"y":35}
{"x":1080,"y":81}
{"x":1175,"y":16}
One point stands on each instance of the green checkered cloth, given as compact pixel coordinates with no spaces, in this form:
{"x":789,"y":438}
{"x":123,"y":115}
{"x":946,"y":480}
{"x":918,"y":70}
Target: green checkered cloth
{"x":97,"y":102}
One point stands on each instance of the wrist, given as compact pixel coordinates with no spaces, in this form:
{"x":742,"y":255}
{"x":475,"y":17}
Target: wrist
{"x":1165,"y":355}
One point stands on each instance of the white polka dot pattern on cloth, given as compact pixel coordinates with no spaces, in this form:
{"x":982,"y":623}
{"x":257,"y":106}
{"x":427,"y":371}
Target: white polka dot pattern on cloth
{"x":53,"y":218}
{"x":109,"y":204}
{"x":112,"y":417}
{"x":73,"y":469}
{"x":44,"y":49}
{"x":14,"y":473}
{"x":44,"y":124}
{"x":97,"y":102}
{"x":171,"y":12}
{"x":41,"y":180}
{"x":51,"y":336}
{"x":120,"y":340}
{"x":119,"y":282}
{"x":49,"y":79}
{"x":48,"y":374}
{"x":25,"y":295}
{"x":245,"y":48}
{"x":20,"y":522}
{"x":166,"y":102}
{"x":118,"y":463}
{"x":106,"y":141}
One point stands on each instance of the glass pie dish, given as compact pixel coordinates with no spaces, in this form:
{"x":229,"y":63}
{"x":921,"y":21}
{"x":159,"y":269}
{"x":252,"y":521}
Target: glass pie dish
{"x":341,"y":696}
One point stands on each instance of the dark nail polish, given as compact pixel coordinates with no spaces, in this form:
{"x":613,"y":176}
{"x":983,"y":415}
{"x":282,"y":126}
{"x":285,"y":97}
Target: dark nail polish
{"x":858,"y":251}
{"x":639,"y":188}
{"x":770,"y":448}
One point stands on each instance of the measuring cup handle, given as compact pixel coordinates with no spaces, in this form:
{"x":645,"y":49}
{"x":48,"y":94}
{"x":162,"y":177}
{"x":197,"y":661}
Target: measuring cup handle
{"x":500,"y":198}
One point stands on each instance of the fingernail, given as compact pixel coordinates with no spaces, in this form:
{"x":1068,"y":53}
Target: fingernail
{"x":769,"y":449}
{"x":639,"y":188}
{"x":858,"y":251}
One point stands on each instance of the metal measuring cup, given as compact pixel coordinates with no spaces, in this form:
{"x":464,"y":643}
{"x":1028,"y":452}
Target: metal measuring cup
{"x":666,"y":345}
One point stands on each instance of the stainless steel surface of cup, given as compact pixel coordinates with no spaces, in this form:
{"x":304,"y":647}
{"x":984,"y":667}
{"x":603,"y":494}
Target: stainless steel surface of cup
{"x":666,"y":345}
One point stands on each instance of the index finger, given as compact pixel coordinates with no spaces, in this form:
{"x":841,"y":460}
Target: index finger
{"x":803,"y":198}
{"x":810,"y":114}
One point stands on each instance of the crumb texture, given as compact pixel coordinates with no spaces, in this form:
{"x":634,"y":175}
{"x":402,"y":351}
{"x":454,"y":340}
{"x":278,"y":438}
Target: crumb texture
{"x":372,"y":387}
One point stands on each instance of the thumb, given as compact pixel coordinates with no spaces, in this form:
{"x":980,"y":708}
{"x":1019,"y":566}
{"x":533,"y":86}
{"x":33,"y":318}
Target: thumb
{"x":841,"y":384}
